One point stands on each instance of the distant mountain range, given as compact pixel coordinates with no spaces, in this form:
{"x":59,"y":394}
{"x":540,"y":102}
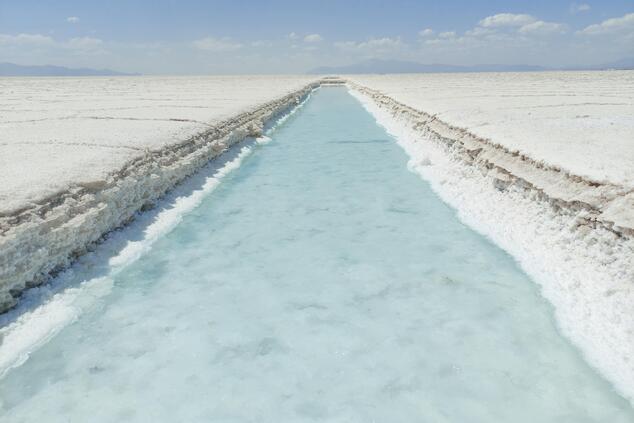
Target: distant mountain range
{"x":623,"y":64}
{"x":11,"y":69}
{"x":368,"y":66}
{"x":397,"y":66}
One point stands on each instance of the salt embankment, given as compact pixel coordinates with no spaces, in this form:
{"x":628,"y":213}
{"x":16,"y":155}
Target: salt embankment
{"x":80,"y":156}
{"x":543,"y":164}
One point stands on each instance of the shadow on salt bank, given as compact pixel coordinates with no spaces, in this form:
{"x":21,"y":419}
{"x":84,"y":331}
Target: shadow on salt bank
{"x":45,"y":310}
{"x":126,"y":244}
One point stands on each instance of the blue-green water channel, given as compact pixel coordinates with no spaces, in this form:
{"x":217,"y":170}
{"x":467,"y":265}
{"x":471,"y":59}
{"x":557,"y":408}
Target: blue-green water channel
{"x":320,"y":281}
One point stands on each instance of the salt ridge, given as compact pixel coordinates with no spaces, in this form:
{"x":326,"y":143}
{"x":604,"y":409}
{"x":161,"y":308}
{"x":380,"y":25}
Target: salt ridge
{"x":32,"y":328}
{"x":48,"y":236}
{"x":585,"y":273}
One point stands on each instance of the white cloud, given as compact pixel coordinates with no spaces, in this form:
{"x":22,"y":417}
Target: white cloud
{"x":217,"y":44}
{"x":262,"y":43}
{"x":624,"y":23}
{"x":26,"y":39}
{"x":84,"y":43}
{"x":500,"y":38}
{"x":505,"y":25}
{"x":72,"y":19}
{"x":346,"y":45}
{"x":372,"y":45}
{"x":450,"y":40}
{"x":579,"y":8}
{"x":433,"y":42}
{"x":497,"y":38}
{"x":313,"y":38}
{"x":39,"y":45}
{"x":479,"y":31}
{"x":542,"y":28}
{"x":38,"y":40}
{"x":506,"y":20}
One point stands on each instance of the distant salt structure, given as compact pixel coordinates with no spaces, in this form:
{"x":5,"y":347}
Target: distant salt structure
{"x":332,"y":80}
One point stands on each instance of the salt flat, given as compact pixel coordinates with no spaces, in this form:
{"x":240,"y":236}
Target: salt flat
{"x":322,"y":268}
{"x":542,"y":165}
{"x":59,"y":132}
{"x":580,"y":122}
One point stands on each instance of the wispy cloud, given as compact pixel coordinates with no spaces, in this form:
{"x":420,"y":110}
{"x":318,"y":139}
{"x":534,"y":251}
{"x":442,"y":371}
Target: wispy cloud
{"x":498,"y":38}
{"x":313,"y":38}
{"x":447,"y":34}
{"x":506,"y":20}
{"x":542,"y":28}
{"x":26,"y":39}
{"x":72,"y":19}
{"x":44,"y":41}
{"x":262,"y":44}
{"x":579,"y":8}
{"x":371,"y":45}
{"x":84,"y":43}
{"x":479,"y":31}
{"x":217,"y":44}
{"x":610,"y":26}
{"x":510,"y":23}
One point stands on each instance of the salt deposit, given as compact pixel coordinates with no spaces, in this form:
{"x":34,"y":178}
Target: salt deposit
{"x":580,"y":122}
{"x":319,"y":281}
{"x":557,"y":197}
{"x":61,"y":132}
{"x":79,"y":156}
{"x":540,"y":163}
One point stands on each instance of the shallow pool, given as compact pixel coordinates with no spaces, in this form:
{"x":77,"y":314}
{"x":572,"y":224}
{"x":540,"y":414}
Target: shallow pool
{"x":321,"y":281}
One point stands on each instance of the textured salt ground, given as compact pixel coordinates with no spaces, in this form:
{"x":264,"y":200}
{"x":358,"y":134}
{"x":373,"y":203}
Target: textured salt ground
{"x":548,"y":151}
{"x":59,"y":132}
{"x":321,"y":281}
{"x":581,"y":122}
{"x":587,"y":272}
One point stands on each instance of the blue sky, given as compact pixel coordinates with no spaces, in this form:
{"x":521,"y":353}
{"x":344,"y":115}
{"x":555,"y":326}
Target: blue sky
{"x":294,"y":36}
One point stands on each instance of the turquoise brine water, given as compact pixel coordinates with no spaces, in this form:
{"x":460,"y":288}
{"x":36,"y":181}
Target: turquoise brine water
{"x":321,"y":281}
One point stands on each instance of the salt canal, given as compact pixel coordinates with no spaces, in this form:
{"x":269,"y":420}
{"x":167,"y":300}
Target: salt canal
{"x":320,"y":281}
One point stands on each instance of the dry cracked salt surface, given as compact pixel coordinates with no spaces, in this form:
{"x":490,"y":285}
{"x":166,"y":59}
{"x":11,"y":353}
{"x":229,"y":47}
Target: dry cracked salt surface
{"x":56,"y":133}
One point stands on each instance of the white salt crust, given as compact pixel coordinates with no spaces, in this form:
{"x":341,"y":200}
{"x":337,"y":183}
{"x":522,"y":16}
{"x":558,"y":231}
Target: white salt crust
{"x":38,"y":238}
{"x":56,"y":133}
{"x":48,"y":309}
{"x":579,"y":122}
{"x":585,"y":266}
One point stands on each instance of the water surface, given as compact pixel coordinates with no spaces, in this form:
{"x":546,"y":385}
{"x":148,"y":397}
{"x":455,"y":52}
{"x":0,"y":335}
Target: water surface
{"x":321,"y":281}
